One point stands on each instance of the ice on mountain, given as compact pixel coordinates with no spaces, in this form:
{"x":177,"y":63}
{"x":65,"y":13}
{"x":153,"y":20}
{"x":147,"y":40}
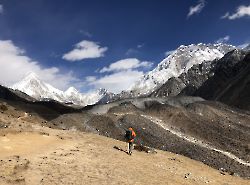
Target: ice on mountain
{"x":178,"y":62}
{"x":36,"y":88}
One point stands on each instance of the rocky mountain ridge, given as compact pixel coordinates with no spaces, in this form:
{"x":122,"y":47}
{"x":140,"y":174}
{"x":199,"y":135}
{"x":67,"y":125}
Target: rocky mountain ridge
{"x":210,"y":79}
{"x":180,"y":61}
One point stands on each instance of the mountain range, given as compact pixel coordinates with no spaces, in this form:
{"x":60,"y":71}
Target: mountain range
{"x":182,"y":72}
{"x":33,"y":86}
{"x":180,"y":61}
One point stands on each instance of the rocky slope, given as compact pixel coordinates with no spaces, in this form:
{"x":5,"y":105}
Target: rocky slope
{"x":180,"y":61}
{"x":230,"y":83}
{"x":226,"y":80}
{"x":32,"y":153}
{"x":187,"y":83}
{"x":210,"y":132}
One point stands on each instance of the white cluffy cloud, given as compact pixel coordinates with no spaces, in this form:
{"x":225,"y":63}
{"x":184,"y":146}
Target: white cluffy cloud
{"x":241,"y":11}
{"x":223,"y":39}
{"x":15,"y":66}
{"x":122,"y":74}
{"x":85,"y":49}
{"x":196,"y":9}
{"x":118,"y":81}
{"x":126,"y":64}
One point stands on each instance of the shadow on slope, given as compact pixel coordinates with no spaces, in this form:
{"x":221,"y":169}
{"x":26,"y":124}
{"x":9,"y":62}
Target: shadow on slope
{"x":230,"y":84}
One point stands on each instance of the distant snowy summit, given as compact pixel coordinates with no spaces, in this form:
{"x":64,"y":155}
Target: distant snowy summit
{"x":36,"y":88}
{"x":182,"y":59}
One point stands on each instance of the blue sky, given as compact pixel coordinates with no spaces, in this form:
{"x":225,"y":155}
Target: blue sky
{"x":96,"y":43}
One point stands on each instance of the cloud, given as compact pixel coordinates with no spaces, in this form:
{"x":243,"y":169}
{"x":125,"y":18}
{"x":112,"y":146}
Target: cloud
{"x":122,"y":74}
{"x":85,"y":33}
{"x":241,"y":11}
{"x":1,"y":9}
{"x":196,"y":9}
{"x":223,"y":39}
{"x":85,"y":49}
{"x":126,"y":64}
{"x":225,"y":16}
{"x":15,"y":66}
{"x":244,"y":45}
{"x":140,"y":45}
{"x":131,"y":51}
{"x":169,"y":52}
{"x":90,"y":79}
{"x":119,"y":81}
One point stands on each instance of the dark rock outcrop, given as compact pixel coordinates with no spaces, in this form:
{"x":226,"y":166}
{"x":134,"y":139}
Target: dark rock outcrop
{"x":14,"y":95}
{"x":225,"y":80}
{"x":230,"y":83}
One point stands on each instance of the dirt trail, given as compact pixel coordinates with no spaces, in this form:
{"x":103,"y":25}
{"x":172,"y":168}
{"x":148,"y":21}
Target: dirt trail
{"x":194,"y":140}
{"x":69,"y":157}
{"x":26,"y":143}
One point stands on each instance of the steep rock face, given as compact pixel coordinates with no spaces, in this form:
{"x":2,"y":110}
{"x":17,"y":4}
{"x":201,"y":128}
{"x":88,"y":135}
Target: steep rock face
{"x":105,"y":97}
{"x":180,"y":61}
{"x":216,"y":80}
{"x":230,"y":83}
{"x":187,"y":83}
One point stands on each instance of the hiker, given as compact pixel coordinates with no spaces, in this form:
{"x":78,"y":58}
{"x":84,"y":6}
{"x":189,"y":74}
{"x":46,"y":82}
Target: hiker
{"x":130,"y":136}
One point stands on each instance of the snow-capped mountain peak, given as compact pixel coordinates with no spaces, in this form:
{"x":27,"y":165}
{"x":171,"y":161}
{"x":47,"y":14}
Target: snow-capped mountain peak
{"x":71,"y":91}
{"x":36,"y":88}
{"x":182,"y":59}
{"x":31,"y":76}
